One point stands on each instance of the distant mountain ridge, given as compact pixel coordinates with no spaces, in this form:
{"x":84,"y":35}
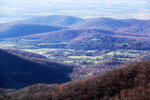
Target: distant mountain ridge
{"x":42,"y":24}
{"x":17,"y":30}
{"x":77,"y":33}
{"x":121,"y":25}
{"x":54,"y":20}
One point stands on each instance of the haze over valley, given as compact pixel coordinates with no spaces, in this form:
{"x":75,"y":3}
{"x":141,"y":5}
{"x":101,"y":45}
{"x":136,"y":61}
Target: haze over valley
{"x":20,"y":9}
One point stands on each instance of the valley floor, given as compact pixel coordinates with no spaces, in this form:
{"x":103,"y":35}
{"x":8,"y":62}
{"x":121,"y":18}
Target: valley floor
{"x":87,"y":62}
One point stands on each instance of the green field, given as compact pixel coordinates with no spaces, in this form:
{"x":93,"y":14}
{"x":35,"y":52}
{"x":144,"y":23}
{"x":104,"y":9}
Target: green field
{"x":72,"y":56}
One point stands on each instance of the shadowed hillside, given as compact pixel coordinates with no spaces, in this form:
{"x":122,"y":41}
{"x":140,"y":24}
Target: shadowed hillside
{"x":127,"y":83}
{"x":16,"y":30}
{"x":16,"y":72}
{"x":27,"y":55}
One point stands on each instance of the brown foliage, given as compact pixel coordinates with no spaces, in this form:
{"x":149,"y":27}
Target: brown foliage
{"x":127,"y":83}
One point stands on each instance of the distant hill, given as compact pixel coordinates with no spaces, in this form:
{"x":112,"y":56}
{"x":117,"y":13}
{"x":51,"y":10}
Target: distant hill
{"x":92,"y":33}
{"x":129,"y":28}
{"x":10,"y":30}
{"x":127,"y":83}
{"x":66,"y":35}
{"x":70,"y":35}
{"x":102,"y":23}
{"x":55,"y":20}
{"x":16,"y":72}
{"x":122,"y":25}
{"x":89,"y":39}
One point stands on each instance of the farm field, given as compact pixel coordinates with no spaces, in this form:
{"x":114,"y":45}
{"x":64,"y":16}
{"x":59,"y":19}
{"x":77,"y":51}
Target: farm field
{"x":76,"y":57}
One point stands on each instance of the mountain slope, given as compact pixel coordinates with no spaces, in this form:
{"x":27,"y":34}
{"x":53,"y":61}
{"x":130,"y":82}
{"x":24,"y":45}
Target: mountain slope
{"x":127,"y":83}
{"x":102,"y":23}
{"x":26,"y":55}
{"x":16,"y":72}
{"x":125,"y":27}
{"x":68,"y":35}
{"x":17,"y":30}
{"x":122,"y":25}
{"x":88,"y":39}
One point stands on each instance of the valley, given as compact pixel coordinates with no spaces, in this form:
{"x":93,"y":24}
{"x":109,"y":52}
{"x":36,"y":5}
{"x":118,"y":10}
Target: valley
{"x":89,"y":46}
{"x":60,"y":52}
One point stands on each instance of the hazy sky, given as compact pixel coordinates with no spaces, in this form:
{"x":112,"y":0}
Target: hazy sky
{"x":16,"y":9}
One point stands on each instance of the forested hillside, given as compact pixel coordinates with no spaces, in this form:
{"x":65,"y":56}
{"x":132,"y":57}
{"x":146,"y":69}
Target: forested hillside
{"x":131,"y":82}
{"x":18,"y":72}
{"x":13,"y":30}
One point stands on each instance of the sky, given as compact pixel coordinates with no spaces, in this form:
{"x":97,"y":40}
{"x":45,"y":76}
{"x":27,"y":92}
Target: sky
{"x":122,"y":9}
